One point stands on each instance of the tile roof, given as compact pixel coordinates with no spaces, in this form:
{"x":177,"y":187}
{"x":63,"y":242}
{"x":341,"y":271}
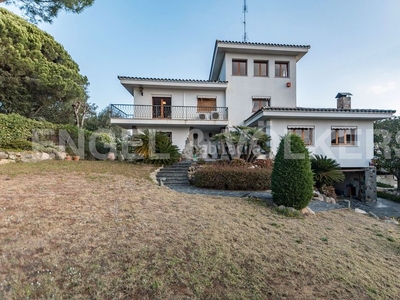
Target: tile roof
{"x":170,"y":79}
{"x":263,"y":44}
{"x":306,"y":109}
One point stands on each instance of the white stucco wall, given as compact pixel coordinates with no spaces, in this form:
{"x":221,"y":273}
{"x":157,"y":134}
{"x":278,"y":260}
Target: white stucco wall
{"x":241,"y":89}
{"x":179,"y":97}
{"x":347,"y":156}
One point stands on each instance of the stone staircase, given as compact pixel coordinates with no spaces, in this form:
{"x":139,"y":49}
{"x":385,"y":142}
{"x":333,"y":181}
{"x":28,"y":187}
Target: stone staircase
{"x":176,"y":174}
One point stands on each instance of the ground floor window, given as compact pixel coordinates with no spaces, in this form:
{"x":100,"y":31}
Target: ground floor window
{"x":343,"y":135}
{"x":305,"y":132}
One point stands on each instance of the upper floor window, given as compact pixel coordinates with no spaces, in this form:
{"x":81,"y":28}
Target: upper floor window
{"x":260,"y":68}
{"x":239,"y":67}
{"x":281,"y":69}
{"x":260,"y":102}
{"x":305,"y":132}
{"x":343,"y":135}
{"x":206,"y":104}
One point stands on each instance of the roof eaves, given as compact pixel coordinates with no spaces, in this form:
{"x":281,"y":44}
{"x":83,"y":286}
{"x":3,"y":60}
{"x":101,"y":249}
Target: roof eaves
{"x":262,"y":44}
{"x":169,"y":80}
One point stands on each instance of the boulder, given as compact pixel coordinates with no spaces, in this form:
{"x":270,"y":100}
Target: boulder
{"x":3,"y":155}
{"x":360,"y":211}
{"x":45,"y":156}
{"x":6,"y":161}
{"x":307,"y":211}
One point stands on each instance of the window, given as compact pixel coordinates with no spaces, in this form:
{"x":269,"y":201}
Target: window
{"x":281,"y":69}
{"x":260,"y":68}
{"x":239,"y":67}
{"x":206,"y":104}
{"x":305,"y":132}
{"x":343,"y":135}
{"x":260,"y":102}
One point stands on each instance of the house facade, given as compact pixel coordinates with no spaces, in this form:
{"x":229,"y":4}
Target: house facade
{"x":253,"y":84}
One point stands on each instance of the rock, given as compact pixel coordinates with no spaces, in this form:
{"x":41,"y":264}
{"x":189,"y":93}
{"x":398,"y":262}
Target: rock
{"x":111,"y":156}
{"x":307,"y":211}
{"x":391,"y":221}
{"x":292,"y":209}
{"x":45,"y":156}
{"x":3,"y":155}
{"x":6,"y":161}
{"x":360,"y":211}
{"x":281,"y":207}
{"x":330,"y":200}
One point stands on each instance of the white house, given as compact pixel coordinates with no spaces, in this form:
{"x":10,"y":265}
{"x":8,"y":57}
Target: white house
{"x":254,"y":84}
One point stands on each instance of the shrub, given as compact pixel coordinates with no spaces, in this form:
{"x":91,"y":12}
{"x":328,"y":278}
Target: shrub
{"x":233,"y":178}
{"x":240,"y":163}
{"x":389,"y":196}
{"x":384,"y":185}
{"x":221,"y":163}
{"x":292,"y":178}
{"x":264,"y":163}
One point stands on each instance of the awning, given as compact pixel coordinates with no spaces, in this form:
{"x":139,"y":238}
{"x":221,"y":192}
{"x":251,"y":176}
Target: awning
{"x":344,"y":127}
{"x":301,"y":127}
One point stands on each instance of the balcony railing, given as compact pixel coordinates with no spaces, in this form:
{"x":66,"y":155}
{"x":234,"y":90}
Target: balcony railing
{"x":147,"y":112}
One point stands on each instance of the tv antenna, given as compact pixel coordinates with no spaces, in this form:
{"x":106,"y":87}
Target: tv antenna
{"x":245,"y":11}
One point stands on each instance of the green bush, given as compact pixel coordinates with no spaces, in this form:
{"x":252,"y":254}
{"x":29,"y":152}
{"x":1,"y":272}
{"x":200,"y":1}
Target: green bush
{"x":388,"y":196}
{"x":233,"y":178}
{"x":15,"y":129}
{"x":292,"y":178}
{"x":384,"y":185}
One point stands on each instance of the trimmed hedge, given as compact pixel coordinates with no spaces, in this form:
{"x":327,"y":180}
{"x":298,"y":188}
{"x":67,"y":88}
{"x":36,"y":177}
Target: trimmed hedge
{"x":388,"y":196}
{"x":233,"y":178}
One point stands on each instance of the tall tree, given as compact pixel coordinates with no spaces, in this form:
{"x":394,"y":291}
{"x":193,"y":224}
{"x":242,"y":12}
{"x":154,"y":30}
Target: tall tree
{"x":47,"y":10}
{"x":38,"y":78}
{"x":387,"y":146}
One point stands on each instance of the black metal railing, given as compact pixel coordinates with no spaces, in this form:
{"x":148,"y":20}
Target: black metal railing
{"x":133,"y":111}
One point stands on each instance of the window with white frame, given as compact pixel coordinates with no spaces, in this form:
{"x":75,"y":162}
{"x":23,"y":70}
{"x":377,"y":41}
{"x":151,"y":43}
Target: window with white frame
{"x":305,"y":132}
{"x":260,"y":102}
{"x":239,"y":67}
{"x":344,"y":135}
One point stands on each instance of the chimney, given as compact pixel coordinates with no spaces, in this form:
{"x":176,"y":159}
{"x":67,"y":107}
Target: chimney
{"x":343,"y":100}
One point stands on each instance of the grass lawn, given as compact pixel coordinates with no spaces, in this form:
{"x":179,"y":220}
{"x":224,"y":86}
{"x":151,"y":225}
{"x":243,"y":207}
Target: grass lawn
{"x":103,"y":230}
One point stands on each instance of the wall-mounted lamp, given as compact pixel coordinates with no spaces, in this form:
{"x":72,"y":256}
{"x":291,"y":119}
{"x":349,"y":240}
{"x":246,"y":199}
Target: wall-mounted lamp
{"x":164,"y":102}
{"x":288,"y":84}
{"x":141,"y":90}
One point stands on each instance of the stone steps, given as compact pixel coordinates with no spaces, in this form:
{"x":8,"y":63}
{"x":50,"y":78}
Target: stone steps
{"x":176,"y":174}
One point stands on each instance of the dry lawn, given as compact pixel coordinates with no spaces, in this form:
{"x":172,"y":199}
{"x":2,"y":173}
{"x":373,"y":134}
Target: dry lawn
{"x":103,"y":230}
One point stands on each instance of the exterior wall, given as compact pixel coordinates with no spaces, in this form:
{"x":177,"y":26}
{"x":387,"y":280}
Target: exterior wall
{"x":179,"y":97}
{"x":347,"y":156}
{"x":222,"y":74}
{"x":241,"y":89}
{"x":179,"y":134}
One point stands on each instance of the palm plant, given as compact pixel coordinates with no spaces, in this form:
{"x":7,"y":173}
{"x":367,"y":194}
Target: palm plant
{"x":156,"y":147}
{"x":326,"y":171}
{"x":246,"y":141}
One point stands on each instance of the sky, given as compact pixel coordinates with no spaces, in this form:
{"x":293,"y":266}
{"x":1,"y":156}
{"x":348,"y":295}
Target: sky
{"x":355,"y":44}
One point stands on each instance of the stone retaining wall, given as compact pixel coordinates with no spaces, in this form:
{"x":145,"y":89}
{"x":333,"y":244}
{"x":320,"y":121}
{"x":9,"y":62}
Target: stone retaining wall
{"x":28,"y":156}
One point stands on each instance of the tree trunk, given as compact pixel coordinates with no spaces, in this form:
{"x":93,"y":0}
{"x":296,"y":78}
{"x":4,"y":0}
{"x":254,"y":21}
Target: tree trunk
{"x":227,"y":151}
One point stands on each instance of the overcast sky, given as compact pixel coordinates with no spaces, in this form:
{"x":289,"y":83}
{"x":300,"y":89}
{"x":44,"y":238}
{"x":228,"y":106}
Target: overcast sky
{"x":355,"y":44}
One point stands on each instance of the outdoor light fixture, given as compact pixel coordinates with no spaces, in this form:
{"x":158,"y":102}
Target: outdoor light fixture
{"x":141,"y":90}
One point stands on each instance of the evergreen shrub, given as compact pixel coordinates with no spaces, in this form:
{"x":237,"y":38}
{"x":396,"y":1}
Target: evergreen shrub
{"x":292,"y":178}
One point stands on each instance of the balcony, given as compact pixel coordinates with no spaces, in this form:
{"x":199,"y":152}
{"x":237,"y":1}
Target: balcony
{"x":164,"y":113}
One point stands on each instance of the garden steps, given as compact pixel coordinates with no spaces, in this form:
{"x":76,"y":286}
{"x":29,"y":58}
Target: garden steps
{"x":176,"y":174}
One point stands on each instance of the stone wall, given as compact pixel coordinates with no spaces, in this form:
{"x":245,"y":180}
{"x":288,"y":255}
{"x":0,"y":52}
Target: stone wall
{"x":28,"y":156}
{"x":370,"y":185}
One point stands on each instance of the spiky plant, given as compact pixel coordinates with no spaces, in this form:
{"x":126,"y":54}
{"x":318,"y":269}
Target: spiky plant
{"x":156,"y":147}
{"x":326,"y":171}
